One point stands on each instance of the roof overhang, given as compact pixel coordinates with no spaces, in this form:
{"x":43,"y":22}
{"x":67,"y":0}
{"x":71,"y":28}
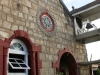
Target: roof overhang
{"x":91,"y":13}
{"x":89,"y":63}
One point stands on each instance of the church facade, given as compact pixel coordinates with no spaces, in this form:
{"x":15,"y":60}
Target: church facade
{"x":37,"y":38}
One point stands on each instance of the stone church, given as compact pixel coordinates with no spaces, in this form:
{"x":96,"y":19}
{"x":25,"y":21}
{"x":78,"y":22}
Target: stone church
{"x":37,"y":38}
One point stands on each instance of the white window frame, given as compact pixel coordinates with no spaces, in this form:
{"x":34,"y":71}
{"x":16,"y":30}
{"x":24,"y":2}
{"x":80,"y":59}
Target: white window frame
{"x":19,"y":52}
{"x":19,"y":64}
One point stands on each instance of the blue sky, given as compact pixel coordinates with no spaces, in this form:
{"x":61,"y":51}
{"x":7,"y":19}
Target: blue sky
{"x":92,"y":48}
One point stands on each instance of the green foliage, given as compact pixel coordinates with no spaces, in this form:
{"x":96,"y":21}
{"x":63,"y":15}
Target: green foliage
{"x":61,"y":73}
{"x":98,"y":71}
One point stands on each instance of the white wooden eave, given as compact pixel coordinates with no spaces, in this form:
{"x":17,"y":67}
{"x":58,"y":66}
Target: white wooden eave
{"x":92,"y":13}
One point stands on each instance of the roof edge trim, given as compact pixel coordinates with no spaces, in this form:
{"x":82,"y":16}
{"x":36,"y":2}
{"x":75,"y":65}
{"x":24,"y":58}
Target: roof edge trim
{"x":85,"y":10}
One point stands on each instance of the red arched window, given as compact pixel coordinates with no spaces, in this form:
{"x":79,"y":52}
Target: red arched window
{"x":35,"y":64}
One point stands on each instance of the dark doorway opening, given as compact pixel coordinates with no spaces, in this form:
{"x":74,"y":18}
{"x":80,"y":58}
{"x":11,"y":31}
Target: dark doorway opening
{"x":68,"y":64}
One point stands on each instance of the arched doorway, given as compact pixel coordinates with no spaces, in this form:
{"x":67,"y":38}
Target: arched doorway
{"x":66,"y":62}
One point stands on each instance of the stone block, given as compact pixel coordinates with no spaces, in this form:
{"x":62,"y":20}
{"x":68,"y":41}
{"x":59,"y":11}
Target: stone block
{"x":49,"y":44}
{"x":81,"y":51}
{"x":19,"y":6}
{"x":22,"y":23}
{"x":44,"y":71}
{"x":4,"y":34}
{"x":21,"y":28}
{"x":1,"y":7}
{"x":77,"y":45}
{"x":30,"y":18}
{"x":43,"y":49}
{"x":52,"y":51}
{"x":14,"y":12}
{"x":14,"y":5}
{"x":30,"y":32}
{"x":56,"y":50}
{"x":48,"y":50}
{"x":0,"y":23}
{"x":6,"y":25}
{"x":27,"y":24}
{"x":9,"y":18}
{"x":5,"y":2}
{"x":10,"y":3}
{"x":6,"y":9}
{"x":55,"y":58}
{"x":41,"y":4}
{"x":34,"y":19}
{"x":14,"y":27}
{"x":50,"y":57}
{"x":32,"y":25}
{"x":33,"y":12}
{"x":32,"y":39}
{"x":51,"y":71}
{"x":21,"y":15}
{"x":22,"y":1}
{"x":25,"y":29}
{"x":28,"y":3}
{"x":25,"y":16}
{"x":59,"y":46}
{"x":34,"y":6}
{"x":45,"y":64}
{"x":3,"y":15}
{"x":47,"y":56}
{"x":42,"y":56}
{"x":37,"y":41}
{"x":25,"y":9}
{"x":54,"y":44}
{"x":41,"y":42}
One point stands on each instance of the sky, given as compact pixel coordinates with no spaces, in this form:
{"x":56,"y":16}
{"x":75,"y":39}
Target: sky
{"x":76,"y":3}
{"x":92,"y":48}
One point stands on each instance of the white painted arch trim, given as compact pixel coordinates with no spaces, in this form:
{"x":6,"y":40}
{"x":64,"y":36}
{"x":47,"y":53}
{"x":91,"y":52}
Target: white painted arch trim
{"x":25,"y":52}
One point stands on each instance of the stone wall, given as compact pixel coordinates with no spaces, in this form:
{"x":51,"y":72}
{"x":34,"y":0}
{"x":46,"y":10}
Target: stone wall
{"x":84,"y":70}
{"x":21,"y":15}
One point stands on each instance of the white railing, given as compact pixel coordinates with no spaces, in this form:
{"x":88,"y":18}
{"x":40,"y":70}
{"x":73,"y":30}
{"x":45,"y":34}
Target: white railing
{"x":84,"y":29}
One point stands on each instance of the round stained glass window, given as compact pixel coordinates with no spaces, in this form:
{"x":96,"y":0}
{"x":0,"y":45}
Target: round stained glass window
{"x":47,"y":22}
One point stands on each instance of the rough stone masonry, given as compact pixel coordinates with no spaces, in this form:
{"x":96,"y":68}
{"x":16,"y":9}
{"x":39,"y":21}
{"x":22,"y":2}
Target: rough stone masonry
{"x":21,"y":15}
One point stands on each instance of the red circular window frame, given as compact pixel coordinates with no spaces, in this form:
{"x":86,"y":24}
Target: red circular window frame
{"x":45,"y":13}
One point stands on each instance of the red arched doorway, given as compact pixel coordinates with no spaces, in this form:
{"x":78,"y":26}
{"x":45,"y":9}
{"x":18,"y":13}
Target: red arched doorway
{"x":66,"y":62}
